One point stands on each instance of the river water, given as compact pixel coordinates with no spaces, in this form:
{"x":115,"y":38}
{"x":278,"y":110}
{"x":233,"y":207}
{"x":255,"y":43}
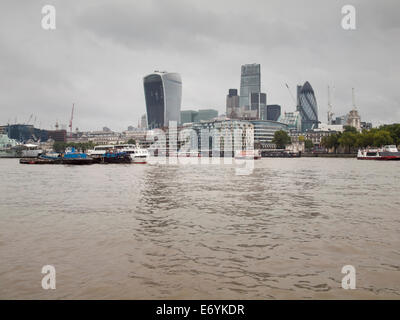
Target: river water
{"x":201,"y":231}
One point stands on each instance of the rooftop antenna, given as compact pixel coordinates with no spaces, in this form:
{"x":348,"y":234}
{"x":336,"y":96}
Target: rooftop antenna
{"x":70,"y":121}
{"x":330,"y":113}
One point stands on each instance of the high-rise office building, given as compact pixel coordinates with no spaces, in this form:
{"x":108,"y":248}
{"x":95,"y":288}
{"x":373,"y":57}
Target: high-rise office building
{"x":188,"y":116}
{"x":258,"y":102}
{"x":143,"y":121}
{"x":307,"y":107}
{"x":250,"y":82}
{"x":163,"y":94}
{"x":232,"y":104}
{"x":206,"y":114}
{"x":273,"y":112}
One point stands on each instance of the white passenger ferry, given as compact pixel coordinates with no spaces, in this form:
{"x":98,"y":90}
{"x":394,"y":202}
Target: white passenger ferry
{"x":100,"y":150}
{"x":385,"y":153}
{"x":137,"y":154}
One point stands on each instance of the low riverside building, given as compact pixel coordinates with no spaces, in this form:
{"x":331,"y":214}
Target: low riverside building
{"x":109,"y":137}
{"x":221,"y":135}
{"x":315,"y":135}
{"x":97,"y":137}
{"x":330,"y":127}
{"x":259,"y":133}
{"x":264,"y":131}
{"x":25,"y":132}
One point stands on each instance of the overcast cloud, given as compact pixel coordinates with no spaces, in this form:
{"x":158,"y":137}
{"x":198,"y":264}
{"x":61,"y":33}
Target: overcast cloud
{"x":101,"y":50}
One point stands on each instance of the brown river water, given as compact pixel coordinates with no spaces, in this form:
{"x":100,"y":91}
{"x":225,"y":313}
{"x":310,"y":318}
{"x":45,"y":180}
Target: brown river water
{"x":201,"y":231}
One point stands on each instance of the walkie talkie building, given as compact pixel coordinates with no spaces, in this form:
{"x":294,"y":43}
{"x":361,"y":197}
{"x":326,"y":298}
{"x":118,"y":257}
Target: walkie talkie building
{"x":163,"y":94}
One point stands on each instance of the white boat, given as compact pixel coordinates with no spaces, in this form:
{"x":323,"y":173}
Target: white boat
{"x":385,"y":153}
{"x":100,"y":150}
{"x":247,"y":154}
{"x":30,"y":151}
{"x":137,"y":154}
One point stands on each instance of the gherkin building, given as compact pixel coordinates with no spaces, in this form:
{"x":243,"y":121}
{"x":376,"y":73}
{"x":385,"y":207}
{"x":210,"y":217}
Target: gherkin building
{"x":307,"y":107}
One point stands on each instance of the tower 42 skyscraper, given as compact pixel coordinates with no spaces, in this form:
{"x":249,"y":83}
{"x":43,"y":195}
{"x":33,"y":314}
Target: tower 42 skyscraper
{"x":163,"y":94}
{"x":250,"y":82}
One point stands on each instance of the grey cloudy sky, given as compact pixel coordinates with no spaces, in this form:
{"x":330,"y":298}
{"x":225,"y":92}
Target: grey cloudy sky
{"x":101,"y":50}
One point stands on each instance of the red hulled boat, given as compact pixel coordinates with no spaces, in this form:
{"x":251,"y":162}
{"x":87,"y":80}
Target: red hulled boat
{"x":384,"y":153}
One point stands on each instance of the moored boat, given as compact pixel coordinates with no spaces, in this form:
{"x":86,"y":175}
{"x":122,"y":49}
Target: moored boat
{"x":71,"y":156}
{"x":131,"y":151}
{"x":385,"y":153}
{"x":137,"y":154}
{"x":247,"y":154}
{"x":39,"y":161}
{"x":112,"y":157}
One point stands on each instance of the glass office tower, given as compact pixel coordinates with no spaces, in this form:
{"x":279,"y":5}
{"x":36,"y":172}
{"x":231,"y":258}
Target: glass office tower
{"x":163,"y":94}
{"x":250,"y":82}
{"x":307,"y":107}
{"x":273,"y":112}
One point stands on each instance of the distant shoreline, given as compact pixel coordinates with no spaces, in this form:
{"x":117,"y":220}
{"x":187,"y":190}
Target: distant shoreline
{"x":329,"y":155}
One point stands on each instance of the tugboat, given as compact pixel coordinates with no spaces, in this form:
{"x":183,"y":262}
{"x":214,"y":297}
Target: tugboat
{"x":386,"y":153}
{"x":71,"y":156}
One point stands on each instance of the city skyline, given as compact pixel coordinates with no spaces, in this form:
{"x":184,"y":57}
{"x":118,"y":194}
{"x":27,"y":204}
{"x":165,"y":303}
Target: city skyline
{"x":98,"y":55}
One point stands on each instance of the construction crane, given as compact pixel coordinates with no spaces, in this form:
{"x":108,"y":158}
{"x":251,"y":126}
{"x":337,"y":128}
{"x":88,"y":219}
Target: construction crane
{"x":291,"y":94}
{"x":29,"y":120}
{"x":70,"y":121}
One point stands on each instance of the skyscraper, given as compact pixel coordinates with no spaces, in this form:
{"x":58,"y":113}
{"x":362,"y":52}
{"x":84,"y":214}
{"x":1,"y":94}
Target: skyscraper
{"x":273,"y":112}
{"x":258,"y":102}
{"x":163,"y":94}
{"x":250,"y":82}
{"x":307,"y":107}
{"x":188,"y":116}
{"x":232,"y":104}
{"x":143,"y":121}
